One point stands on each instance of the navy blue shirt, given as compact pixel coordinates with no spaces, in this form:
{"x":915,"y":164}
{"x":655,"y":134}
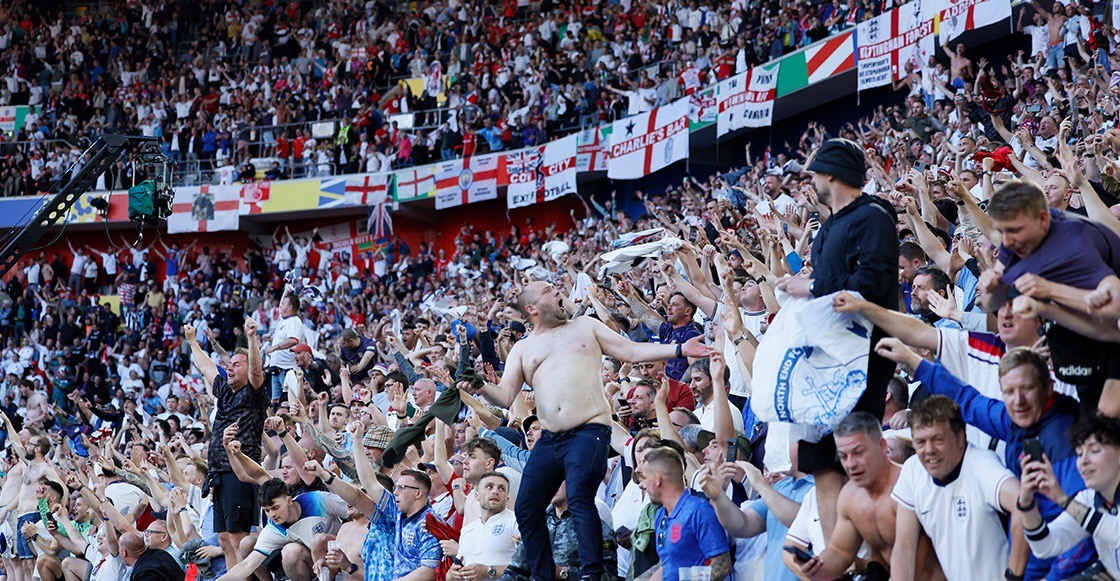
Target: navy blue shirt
{"x":670,"y":335}
{"x":691,"y":536}
{"x":1097,"y":254}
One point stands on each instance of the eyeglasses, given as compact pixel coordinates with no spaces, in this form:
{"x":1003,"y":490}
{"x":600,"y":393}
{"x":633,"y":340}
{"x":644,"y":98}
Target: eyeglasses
{"x":151,"y":532}
{"x":400,"y":487}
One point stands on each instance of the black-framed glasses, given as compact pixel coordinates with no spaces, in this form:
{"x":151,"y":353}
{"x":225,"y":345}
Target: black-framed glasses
{"x":400,"y":487}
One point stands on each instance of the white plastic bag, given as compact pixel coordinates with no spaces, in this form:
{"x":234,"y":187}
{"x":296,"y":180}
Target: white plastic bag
{"x":811,"y":366}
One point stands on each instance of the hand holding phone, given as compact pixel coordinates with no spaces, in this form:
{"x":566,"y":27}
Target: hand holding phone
{"x":1033,"y":449}
{"x":798,"y":553}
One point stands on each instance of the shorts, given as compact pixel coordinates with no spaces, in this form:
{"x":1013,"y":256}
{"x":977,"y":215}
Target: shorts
{"x":23,"y":547}
{"x":235,"y":503}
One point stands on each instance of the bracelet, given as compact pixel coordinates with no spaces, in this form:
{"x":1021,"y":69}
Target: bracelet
{"x":1011,"y":576}
{"x":625,"y":379}
{"x":183,"y":509}
{"x":679,"y":346}
{"x":353,"y":568}
{"x":284,"y":434}
{"x":741,"y":338}
{"x":331,"y":479}
{"x":1068,"y":501}
{"x":1030,"y":506}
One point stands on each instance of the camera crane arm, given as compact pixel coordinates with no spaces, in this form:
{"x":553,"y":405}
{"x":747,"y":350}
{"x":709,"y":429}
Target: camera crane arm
{"x":103,"y":154}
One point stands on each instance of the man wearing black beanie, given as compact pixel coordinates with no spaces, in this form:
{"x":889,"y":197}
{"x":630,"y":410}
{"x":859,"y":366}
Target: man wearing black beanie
{"x":856,"y":250}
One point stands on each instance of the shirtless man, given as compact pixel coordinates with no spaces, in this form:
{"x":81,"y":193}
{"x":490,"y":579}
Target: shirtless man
{"x":960,"y":66}
{"x":13,"y":483}
{"x":36,"y":409}
{"x":26,"y":502}
{"x":865,"y":511}
{"x":1055,"y":46}
{"x":561,"y":359}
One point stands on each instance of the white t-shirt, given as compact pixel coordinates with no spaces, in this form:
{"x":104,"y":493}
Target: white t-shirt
{"x":962,"y":517}
{"x":321,"y":513}
{"x":489,"y":543}
{"x":32,"y":273}
{"x":707,"y":417}
{"x":291,"y":327}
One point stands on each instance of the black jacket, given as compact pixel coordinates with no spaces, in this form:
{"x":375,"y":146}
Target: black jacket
{"x":156,"y":565}
{"x":857,"y":250}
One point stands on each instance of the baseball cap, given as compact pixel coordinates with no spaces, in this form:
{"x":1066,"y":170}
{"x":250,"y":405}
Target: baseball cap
{"x":301,"y":348}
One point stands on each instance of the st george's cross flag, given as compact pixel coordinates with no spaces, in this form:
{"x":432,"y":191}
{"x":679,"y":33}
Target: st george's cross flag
{"x":466,"y":181}
{"x":958,"y":16}
{"x":541,"y":174}
{"x":747,"y":99}
{"x":363,"y":189}
{"x":644,"y":143}
{"x":204,"y":209}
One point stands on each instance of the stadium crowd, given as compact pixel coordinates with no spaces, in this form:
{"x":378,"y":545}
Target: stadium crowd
{"x":239,"y":81}
{"x":511,"y":410}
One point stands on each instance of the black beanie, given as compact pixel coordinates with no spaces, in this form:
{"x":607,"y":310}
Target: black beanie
{"x":841,"y":158}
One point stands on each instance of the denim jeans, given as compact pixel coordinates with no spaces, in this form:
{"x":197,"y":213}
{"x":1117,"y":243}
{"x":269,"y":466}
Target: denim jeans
{"x":578,"y":457}
{"x":278,"y":384}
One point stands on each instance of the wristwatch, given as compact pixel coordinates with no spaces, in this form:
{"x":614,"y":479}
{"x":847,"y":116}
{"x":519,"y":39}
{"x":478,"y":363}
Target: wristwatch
{"x":353,"y":568}
{"x":491,"y":572}
{"x":564,"y":572}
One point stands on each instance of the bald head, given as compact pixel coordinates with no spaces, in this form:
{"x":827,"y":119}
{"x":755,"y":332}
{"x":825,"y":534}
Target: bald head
{"x":132,"y":546}
{"x":529,"y":296}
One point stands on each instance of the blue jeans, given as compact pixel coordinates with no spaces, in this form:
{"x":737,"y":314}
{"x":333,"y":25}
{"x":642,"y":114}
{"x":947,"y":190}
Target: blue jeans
{"x":277,"y":384}
{"x":578,"y":457}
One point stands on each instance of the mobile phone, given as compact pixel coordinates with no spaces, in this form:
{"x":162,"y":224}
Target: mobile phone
{"x":1033,"y":449}
{"x":732,"y":450}
{"x":920,"y":166}
{"x":622,"y":532}
{"x":622,"y":402}
{"x":457,"y":561}
{"x":798,"y":553}
{"x":815,"y":215}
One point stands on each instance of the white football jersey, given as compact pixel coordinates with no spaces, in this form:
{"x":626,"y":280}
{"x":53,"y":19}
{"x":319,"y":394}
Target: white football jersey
{"x":961,"y":517}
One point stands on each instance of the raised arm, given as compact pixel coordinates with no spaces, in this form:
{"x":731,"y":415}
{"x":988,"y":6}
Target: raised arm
{"x":256,"y":371}
{"x":505,"y":392}
{"x":908,"y":329}
{"x":350,"y":493}
{"x":200,"y":359}
{"x":626,"y":350}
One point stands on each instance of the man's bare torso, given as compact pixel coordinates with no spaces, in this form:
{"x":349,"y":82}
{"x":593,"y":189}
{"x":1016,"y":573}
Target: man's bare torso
{"x":562,"y":366}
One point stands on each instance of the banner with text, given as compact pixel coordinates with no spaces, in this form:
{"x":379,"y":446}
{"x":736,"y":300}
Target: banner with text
{"x":957,"y":16}
{"x":645,"y":143}
{"x":541,"y":174}
{"x":747,"y":99}
{"x":887,"y":42}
